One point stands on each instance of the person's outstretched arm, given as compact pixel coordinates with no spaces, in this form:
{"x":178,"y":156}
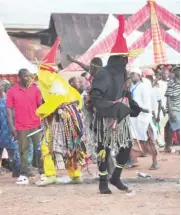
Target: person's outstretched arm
{"x":82,"y":65}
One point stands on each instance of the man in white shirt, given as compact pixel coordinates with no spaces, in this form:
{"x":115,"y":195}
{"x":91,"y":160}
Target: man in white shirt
{"x":143,"y":130}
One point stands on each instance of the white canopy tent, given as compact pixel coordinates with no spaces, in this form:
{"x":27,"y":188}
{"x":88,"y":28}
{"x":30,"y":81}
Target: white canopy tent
{"x":12,"y":60}
{"x":146,"y":58}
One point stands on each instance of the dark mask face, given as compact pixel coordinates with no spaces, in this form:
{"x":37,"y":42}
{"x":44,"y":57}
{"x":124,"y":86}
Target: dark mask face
{"x":124,"y":60}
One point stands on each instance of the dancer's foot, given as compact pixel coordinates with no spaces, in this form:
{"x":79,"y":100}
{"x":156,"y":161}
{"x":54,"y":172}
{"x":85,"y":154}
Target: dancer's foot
{"x":103,"y":188}
{"x":103,"y":185}
{"x":119,"y":185}
{"x":45,"y":181}
{"x":77,"y":180}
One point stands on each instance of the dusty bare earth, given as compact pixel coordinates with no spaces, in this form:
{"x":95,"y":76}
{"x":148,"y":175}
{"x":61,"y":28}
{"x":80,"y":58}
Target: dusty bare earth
{"x":157,"y":196}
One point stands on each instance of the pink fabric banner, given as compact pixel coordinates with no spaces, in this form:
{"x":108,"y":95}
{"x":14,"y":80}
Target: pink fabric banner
{"x":170,"y":40}
{"x":105,"y":45}
{"x":167,"y":18}
{"x":137,"y":20}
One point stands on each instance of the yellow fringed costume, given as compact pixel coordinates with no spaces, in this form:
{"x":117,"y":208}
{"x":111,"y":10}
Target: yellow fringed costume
{"x":55,"y":92}
{"x":48,"y":163}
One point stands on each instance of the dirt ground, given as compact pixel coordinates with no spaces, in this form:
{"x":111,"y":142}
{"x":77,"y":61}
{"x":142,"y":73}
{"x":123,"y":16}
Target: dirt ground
{"x":149,"y":197}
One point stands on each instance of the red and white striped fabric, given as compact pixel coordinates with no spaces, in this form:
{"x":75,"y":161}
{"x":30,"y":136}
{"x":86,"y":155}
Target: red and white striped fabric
{"x":105,"y":45}
{"x":167,"y":18}
{"x":170,"y":40}
{"x":141,"y":43}
{"x":137,"y":20}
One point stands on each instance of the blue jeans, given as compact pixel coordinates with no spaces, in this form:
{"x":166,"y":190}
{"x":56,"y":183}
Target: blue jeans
{"x":30,"y":153}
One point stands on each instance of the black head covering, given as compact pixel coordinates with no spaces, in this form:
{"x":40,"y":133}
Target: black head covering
{"x":117,"y":64}
{"x":116,"y":67}
{"x":123,"y":60}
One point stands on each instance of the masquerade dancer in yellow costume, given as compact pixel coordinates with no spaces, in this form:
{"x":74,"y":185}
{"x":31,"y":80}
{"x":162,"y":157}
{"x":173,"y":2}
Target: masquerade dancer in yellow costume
{"x":63,"y":128}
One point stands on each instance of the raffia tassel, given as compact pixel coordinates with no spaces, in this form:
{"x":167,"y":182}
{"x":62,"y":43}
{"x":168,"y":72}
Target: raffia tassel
{"x":134,"y":53}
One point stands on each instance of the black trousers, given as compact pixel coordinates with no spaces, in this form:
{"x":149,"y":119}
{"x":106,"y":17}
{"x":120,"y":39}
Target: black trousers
{"x":121,"y":158}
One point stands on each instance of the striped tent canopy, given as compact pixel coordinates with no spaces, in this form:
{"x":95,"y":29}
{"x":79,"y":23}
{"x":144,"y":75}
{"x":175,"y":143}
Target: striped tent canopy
{"x":152,"y":27}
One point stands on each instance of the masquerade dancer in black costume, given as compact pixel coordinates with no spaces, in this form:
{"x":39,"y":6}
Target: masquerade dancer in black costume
{"x":112,"y":113}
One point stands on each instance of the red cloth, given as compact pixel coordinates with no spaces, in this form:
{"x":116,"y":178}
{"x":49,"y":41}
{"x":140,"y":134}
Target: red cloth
{"x":51,"y":55}
{"x":47,"y":68}
{"x":120,"y":45}
{"x":170,"y":40}
{"x":105,"y":45}
{"x":175,"y":138}
{"x":167,"y":18}
{"x":24,"y":102}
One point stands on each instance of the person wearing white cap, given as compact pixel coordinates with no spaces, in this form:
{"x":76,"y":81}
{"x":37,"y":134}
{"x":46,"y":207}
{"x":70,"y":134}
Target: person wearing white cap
{"x":142,"y":127}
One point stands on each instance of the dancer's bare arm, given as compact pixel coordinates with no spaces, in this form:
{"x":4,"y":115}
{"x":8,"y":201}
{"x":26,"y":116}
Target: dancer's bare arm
{"x":82,"y":65}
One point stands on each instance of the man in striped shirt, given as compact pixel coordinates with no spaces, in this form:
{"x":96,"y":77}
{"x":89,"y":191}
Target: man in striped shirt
{"x":173,"y":103}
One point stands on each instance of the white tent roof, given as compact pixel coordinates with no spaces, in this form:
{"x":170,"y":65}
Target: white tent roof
{"x":11,"y":58}
{"x":147,"y":57}
{"x":36,"y":13}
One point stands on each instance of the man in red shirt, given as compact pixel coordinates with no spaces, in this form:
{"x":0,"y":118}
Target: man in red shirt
{"x":22,"y":101}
